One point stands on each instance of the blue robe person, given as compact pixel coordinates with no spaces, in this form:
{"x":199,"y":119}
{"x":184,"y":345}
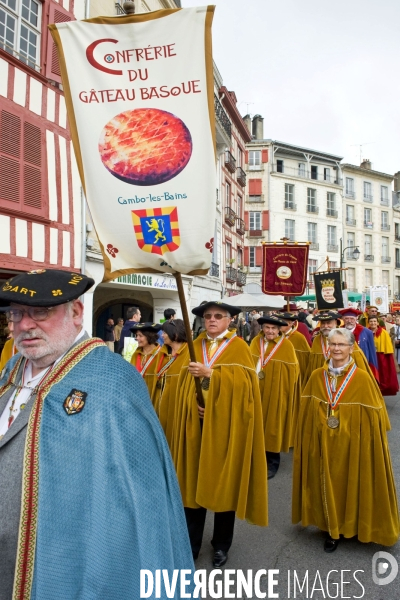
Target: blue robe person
{"x":100,"y":499}
{"x":365,"y":339}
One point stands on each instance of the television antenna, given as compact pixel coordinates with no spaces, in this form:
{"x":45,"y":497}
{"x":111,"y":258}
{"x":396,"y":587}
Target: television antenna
{"x":361,"y":147}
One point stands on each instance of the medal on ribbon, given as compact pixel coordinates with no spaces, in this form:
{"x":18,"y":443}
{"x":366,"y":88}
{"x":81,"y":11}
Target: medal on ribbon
{"x":142,"y":369}
{"x":208,"y":362}
{"x":265,"y":361}
{"x":335,"y":397}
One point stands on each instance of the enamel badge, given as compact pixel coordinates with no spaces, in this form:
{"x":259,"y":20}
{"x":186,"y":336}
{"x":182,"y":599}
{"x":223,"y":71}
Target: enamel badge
{"x":75,"y":402}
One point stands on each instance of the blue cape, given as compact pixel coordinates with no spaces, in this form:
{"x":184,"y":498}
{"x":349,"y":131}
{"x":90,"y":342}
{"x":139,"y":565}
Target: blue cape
{"x":109,"y":503}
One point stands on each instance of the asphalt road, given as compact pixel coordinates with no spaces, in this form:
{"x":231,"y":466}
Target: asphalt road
{"x":294,"y":549}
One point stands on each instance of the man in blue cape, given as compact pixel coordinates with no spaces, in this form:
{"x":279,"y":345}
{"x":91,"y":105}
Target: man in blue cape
{"x":364,"y":337}
{"x":89,"y":494}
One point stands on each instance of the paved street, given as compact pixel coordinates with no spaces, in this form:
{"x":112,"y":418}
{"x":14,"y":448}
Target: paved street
{"x":287,"y":547}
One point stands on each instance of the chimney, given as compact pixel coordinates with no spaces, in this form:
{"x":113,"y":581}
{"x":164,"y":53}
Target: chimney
{"x":397,"y":181}
{"x":247,"y":120}
{"x":258,"y":127}
{"x":366,"y":164}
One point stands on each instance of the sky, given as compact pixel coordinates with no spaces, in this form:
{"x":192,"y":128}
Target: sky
{"x":324,"y":75}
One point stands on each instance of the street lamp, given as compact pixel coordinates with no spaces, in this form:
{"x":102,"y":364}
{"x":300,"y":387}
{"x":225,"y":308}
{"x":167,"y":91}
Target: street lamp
{"x":355,"y":255}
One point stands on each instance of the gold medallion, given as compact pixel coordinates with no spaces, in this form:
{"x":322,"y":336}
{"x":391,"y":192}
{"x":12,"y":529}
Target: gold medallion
{"x":205,"y":384}
{"x":261,"y":375}
{"x":333,"y":422}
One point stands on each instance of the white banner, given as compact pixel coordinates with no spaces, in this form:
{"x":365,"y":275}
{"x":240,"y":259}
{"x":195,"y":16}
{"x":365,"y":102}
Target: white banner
{"x":140,"y":101}
{"x":379,"y":297}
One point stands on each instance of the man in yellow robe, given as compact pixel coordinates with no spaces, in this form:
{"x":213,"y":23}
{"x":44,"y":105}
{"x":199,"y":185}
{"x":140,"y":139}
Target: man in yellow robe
{"x":220,"y":459}
{"x":298,"y":340}
{"x":279,"y":378}
{"x":342,"y":473}
{"x":370,"y":311}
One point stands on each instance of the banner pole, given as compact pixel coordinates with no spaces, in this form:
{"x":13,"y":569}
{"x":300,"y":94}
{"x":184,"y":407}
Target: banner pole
{"x":189,"y":339}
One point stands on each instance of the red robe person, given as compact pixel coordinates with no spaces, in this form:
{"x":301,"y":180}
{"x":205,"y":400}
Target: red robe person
{"x":388,"y":381}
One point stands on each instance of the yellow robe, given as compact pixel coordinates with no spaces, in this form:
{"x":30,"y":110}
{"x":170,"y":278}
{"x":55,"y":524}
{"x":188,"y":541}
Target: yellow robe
{"x":280,"y":393}
{"x":165,"y":407}
{"x":150,"y":375}
{"x":223,"y":467}
{"x":302,"y":350}
{"x":342,"y":478}
{"x":6,"y":353}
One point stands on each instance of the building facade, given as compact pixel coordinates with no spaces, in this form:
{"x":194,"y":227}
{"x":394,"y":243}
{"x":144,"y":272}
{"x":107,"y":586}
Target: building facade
{"x":293,"y":193}
{"x":369,"y":225}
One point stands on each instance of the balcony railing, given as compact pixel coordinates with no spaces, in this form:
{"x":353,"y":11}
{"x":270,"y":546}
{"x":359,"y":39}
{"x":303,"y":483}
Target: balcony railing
{"x":290,"y":205}
{"x":241,"y":278}
{"x":384,"y":201}
{"x":311,"y":208}
{"x":385,"y":227}
{"x":214,"y":270}
{"x":369,"y":258}
{"x":241,"y":176}
{"x":231,"y":274}
{"x":230,"y":161}
{"x":314,"y":246}
{"x":397,"y":239}
{"x":368,"y":198}
{"x":351,"y":222}
{"x":397,"y":266}
{"x":385,"y":259}
{"x":350,"y":255}
{"x":222,"y":117}
{"x":332,"y":248}
{"x":305,"y":174}
{"x":350,"y":194}
{"x":255,"y":232}
{"x":255,"y":198}
{"x":240,"y":228}
{"x":230,"y":216}
{"x":330,"y":212}
{"x":368,"y":225}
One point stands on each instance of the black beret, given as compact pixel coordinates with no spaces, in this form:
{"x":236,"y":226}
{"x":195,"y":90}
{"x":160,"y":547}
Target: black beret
{"x":155,"y":327}
{"x":286,"y":316}
{"x":44,"y":287}
{"x":327,"y":316}
{"x":271,"y":321}
{"x":200,"y":310}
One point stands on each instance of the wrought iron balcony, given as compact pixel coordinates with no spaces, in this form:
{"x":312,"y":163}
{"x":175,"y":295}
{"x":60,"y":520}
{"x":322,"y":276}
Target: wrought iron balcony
{"x":222,"y":117}
{"x":332,"y":248}
{"x":369,"y":258}
{"x":255,"y":198}
{"x":290,"y":205}
{"x":368,"y":198}
{"x":384,"y":201}
{"x":230,"y":161}
{"x":255,"y":232}
{"x":368,"y":225}
{"x":385,"y":227}
{"x":241,"y":176}
{"x":385,"y":259}
{"x":397,"y":266}
{"x":351,"y":222}
{"x":350,"y":194}
{"x":330,"y":212}
{"x":305,"y":174}
{"x":314,"y":246}
{"x":231,"y":274}
{"x":214,"y":270}
{"x":397,"y":239}
{"x":311,"y":208}
{"x":241,"y":278}
{"x":240,"y":227}
{"x":230,"y":216}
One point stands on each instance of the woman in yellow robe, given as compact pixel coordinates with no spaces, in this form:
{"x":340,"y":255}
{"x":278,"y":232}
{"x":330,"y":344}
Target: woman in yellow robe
{"x":298,"y":340}
{"x":149,"y":356}
{"x":279,"y":378}
{"x":342,"y":473}
{"x":174,"y":340}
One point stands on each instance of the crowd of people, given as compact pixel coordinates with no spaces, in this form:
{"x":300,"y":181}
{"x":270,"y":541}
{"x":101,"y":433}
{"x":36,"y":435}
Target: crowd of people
{"x":142,"y":452}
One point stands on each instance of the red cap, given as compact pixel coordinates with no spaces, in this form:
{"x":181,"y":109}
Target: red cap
{"x":291,"y":307}
{"x":350,"y":312}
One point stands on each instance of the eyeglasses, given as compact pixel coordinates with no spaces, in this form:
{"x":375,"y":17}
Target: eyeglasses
{"x":217,"y":316}
{"x":340,"y":346}
{"x":36,"y":313}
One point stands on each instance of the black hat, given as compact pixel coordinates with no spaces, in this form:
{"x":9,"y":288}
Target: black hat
{"x":327,"y":316}
{"x":200,"y":310}
{"x":155,"y":327}
{"x":44,"y":287}
{"x":272,"y":321}
{"x":286,"y":316}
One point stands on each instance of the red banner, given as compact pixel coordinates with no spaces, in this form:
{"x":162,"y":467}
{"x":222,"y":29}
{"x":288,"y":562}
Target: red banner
{"x":284,"y":269}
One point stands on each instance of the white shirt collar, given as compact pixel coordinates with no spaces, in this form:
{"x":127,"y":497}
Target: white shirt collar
{"x":221,"y":335}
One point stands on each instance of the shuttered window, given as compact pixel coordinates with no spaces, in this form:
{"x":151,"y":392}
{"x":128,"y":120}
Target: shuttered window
{"x":21,"y":164}
{"x":57,"y":14}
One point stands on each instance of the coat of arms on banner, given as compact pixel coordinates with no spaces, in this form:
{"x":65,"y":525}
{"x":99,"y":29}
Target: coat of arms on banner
{"x":328,"y":290}
{"x":74,"y":402}
{"x":157,"y":229}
